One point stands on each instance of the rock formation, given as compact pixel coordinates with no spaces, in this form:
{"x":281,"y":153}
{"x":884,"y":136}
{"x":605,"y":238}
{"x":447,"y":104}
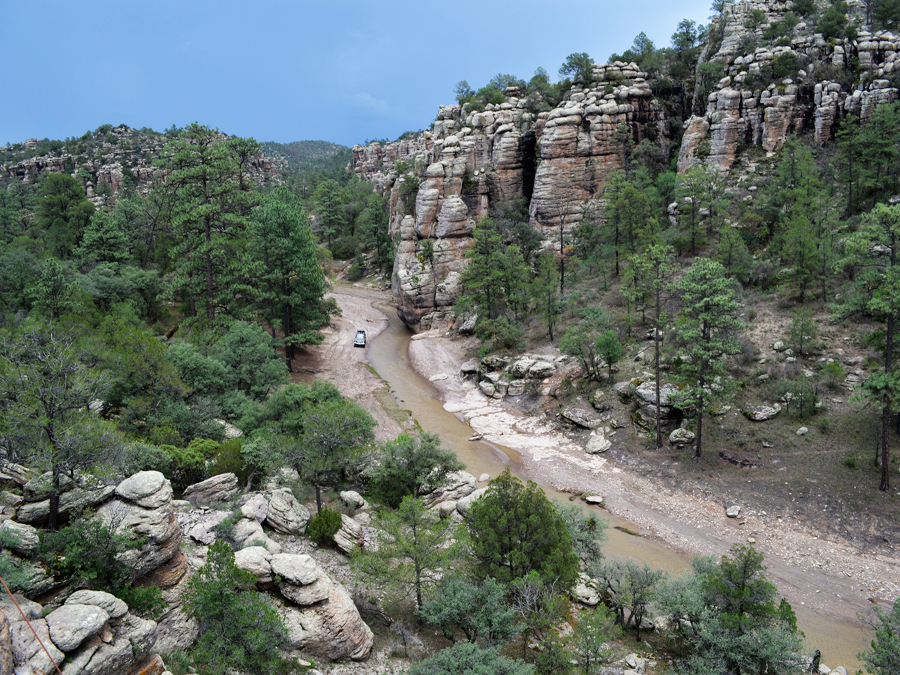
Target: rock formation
{"x":441,"y":181}
{"x":474,"y":160}
{"x":320,"y":615}
{"x":92,"y":632}
{"x":770,"y":92}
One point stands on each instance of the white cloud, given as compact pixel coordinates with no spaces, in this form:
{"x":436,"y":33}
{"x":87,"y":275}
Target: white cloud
{"x":372,"y":104}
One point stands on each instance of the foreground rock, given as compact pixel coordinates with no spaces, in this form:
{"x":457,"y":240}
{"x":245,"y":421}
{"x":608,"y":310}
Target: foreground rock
{"x":761,"y":413}
{"x":321,"y":618}
{"x":155,"y":524}
{"x":92,"y":634}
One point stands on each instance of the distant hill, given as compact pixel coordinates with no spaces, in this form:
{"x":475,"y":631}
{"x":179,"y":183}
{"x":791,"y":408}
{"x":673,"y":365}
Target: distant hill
{"x":309,"y":154}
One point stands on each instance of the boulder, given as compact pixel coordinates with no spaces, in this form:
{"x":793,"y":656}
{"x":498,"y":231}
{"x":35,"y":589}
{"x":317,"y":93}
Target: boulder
{"x":681,"y":437}
{"x":347,"y":539}
{"x":353,"y":499}
{"x":25,"y":538}
{"x":247,"y":532}
{"x":597,"y":443}
{"x":73,"y":500}
{"x":120,"y":650}
{"x":646,"y":392}
{"x":201,"y":527}
{"x":257,"y":561}
{"x":286,"y":515}
{"x":624,"y":390}
{"x":310,"y":594}
{"x":294,"y":568}
{"x":733,"y":511}
{"x":149,"y":489}
{"x":256,"y":507}
{"x":466,"y":502}
{"x":158,"y":528}
{"x":487,"y":388}
{"x":27,"y":650}
{"x":484,"y":478}
{"x":581,"y":417}
{"x":331,"y":629}
{"x":779,"y":346}
{"x":7,"y":660}
{"x":30,"y":608}
{"x":540,"y":370}
{"x":802,"y":431}
{"x":598,"y":401}
{"x":516,"y":388}
{"x":457,"y":485}
{"x":15,"y":473}
{"x":584,"y":591}
{"x":216,"y":490}
{"x":521,"y":367}
{"x":109,"y":603}
{"x":469,"y":367}
{"x":761,"y":413}
{"x":72,"y":624}
{"x":594,"y":500}
{"x":40,"y":487}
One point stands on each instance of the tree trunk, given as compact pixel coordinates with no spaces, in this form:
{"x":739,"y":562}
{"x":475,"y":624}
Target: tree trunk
{"x":698,"y":447}
{"x":54,"y":502}
{"x":886,"y":410}
{"x":318,"y":499}
{"x":656,"y":368}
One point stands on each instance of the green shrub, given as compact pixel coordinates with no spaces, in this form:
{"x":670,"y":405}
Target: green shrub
{"x":324,"y":525}
{"x":499,"y":334}
{"x":784,"y":65}
{"x":228,"y":459}
{"x":242,"y":631}
{"x":225,"y":529}
{"x":850,"y":461}
{"x":344,"y":248}
{"x":833,"y":375}
{"x":88,"y":552}
{"x":146,"y":601}
{"x":188,"y":466}
{"x":15,"y":575}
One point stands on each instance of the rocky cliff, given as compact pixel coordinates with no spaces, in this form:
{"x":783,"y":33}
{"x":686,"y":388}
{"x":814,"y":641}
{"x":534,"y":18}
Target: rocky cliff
{"x":473,"y":160}
{"x":779,"y":77}
{"x":801,"y":83}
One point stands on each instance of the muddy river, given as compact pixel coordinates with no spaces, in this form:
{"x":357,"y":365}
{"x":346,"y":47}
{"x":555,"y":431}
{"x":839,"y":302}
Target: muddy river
{"x":838,"y":641}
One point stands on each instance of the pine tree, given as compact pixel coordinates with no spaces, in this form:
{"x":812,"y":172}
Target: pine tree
{"x":292,"y":286}
{"x":707,"y":325}
{"x":414,"y":546}
{"x":211,"y":205}
{"x":872,"y":252}
{"x":656,"y":269}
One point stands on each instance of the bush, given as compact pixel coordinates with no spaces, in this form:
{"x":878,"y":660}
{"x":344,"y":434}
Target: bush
{"x":784,"y":65}
{"x":850,"y":461}
{"x":187,"y":466}
{"x":345,"y":248}
{"x":324,"y":525}
{"x":241,"y":630}
{"x":227,"y":458}
{"x":833,"y":375}
{"x":16,"y":576}
{"x":89,"y":552}
{"x":499,"y":334}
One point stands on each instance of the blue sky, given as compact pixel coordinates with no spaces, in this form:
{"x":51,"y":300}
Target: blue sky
{"x":342,"y":71}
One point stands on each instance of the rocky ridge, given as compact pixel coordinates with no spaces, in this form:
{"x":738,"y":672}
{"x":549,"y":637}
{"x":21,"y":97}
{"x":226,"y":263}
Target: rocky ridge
{"x":109,"y":157}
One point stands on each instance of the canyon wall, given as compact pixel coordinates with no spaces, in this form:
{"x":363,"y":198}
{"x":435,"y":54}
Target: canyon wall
{"x":471,"y":161}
